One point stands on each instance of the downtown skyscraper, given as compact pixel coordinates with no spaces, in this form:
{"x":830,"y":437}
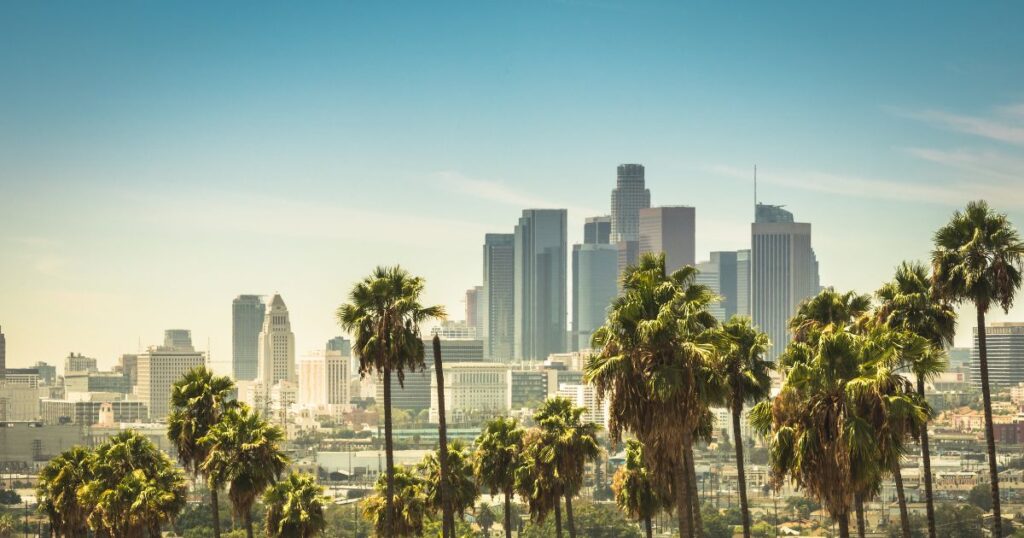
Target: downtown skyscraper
{"x":247,"y":313}
{"x":276,"y":346}
{"x":497,"y":299}
{"x":594,"y":280}
{"x":540,"y":283}
{"x":671,"y":230}
{"x":629,"y":196}
{"x":784,"y":271}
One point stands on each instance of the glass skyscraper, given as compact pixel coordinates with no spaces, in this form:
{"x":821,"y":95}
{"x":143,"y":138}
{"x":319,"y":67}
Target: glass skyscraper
{"x":540,"y":283}
{"x":497,"y":299}
{"x":247,"y":312}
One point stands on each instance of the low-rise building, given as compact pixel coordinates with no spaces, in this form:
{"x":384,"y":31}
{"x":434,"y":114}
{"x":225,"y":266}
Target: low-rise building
{"x":471,"y":389}
{"x":84,"y":409}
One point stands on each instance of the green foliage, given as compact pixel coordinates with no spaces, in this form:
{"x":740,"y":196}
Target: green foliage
{"x":802,"y":506}
{"x":8,"y":526}
{"x":716,"y":525}
{"x":981,"y":496}
{"x":635,"y":493}
{"x":485,"y":517}
{"x":461,"y":489}
{"x":592,"y":521}
{"x":295,"y":507}
{"x":410,"y":504}
{"x":762,"y":529}
{"x":9,"y":496}
{"x":498,"y":453}
{"x":57,"y":492}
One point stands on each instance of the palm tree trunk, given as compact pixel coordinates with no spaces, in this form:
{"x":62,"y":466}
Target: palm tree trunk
{"x":508,"y":513}
{"x":558,"y":517}
{"x":859,"y":507}
{"x":698,"y":519}
{"x":741,"y":475}
{"x":684,"y":506}
{"x":248,"y":522}
{"x":844,"y":525}
{"x":926,"y":458}
{"x":389,"y":450}
{"x":647,"y":527}
{"x":897,"y":477}
{"x":569,"y":517}
{"x":986,"y":396}
{"x":215,"y":506}
{"x":447,"y":517}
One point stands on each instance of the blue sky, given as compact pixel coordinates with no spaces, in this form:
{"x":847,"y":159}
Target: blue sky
{"x":157,"y":159}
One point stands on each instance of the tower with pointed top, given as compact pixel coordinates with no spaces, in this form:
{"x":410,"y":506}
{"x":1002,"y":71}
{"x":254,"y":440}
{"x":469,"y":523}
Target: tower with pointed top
{"x":276,"y":345}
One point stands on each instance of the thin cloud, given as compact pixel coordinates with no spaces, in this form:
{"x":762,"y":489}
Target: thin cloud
{"x":496,"y":191}
{"x":1007,"y":128}
{"x":987,"y":164}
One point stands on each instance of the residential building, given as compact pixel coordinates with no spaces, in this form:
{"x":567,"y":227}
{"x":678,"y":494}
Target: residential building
{"x":540,"y":283}
{"x":158,"y":368}
{"x":471,"y":389}
{"x":247,"y":315}
{"x":1005,"y":345}
{"x":671,"y":230}
{"x":497,"y":304}
{"x":784,"y":272}
{"x":76,"y":363}
{"x":594,"y":286}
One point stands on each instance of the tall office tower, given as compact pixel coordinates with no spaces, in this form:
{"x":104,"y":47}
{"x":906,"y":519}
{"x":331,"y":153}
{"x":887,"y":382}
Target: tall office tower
{"x":594,"y":285}
{"x":743,"y":282}
{"x":720,"y":274}
{"x":497,"y":303}
{"x":597,"y":230}
{"x":1005,"y":345}
{"x":3,"y":353}
{"x":276,"y":346}
{"x":158,"y":368}
{"x":628,"y":198}
{"x":474,"y":314}
{"x":338,"y":377}
{"x":708,"y":275}
{"x":323,"y":378}
{"x":180,"y":339}
{"x":340,"y":344}
{"x":540,"y":282}
{"x":671,"y":230}
{"x":247,"y":313}
{"x":784,"y":272}
{"x":78,"y":363}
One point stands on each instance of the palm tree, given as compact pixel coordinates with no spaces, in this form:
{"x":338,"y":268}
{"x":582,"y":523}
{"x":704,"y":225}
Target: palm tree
{"x":460,"y":488}
{"x":536,"y":482}
{"x":198,"y":399}
{"x":570,"y":443}
{"x":447,"y":515}
{"x":57,"y":491}
{"x":907,"y":303}
{"x":747,"y":381}
{"x":408,"y":502}
{"x":295,"y":507}
{"x":498,"y":454}
{"x":133,"y":488}
{"x":8,"y":526}
{"x":655,"y":369}
{"x":635,"y":493}
{"x":384,"y":315}
{"x":244,"y":455}
{"x":978,"y":258}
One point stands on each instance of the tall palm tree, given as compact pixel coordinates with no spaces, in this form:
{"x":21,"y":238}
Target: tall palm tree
{"x":133,"y":489}
{"x":384,"y":316}
{"x":460,"y":487}
{"x":447,"y":515}
{"x":244,"y":455}
{"x":747,"y":381}
{"x":907,"y":303}
{"x":570,"y":443}
{"x":57,"y":491}
{"x":498,"y":453}
{"x":977,"y":258}
{"x":655,"y":369}
{"x":635,"y":493}
{"x":536,"y":480}
{"x":197,"y":401}
{"x":295,"y":507}
{"x":409,"y":504}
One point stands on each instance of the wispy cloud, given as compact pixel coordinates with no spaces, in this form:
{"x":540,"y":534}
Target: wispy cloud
{"x":979,"y":163}
{"x":500,"y":192}
{"x":1006,"y":126}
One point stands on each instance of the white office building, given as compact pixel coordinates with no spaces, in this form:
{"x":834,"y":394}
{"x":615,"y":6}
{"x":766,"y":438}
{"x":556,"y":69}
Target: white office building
{"x":158,"y":368}
{"x":471,"y":389}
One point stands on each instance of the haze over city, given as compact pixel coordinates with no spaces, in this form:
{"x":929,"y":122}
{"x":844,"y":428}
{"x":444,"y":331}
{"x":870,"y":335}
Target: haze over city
{"x":158,"y":160}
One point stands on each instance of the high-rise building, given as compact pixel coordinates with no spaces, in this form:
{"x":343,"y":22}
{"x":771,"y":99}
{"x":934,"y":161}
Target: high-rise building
{"x":784,"y":272}
{"x":340,"y":344}
{"x":158,"y":368}
{"x":276,"y":346}
{"x":3,"y":353}
{"x":671,"y":230}
{"x":247,"y":313}
{"x":78,"y":363}
{"x":180,"y":339}
{"x":540,"y":283}
{"x":597,"y":230}
{"x":720,"y":273}
{"x":708,"y":275}
{"x":474,"y":314}
{"x":497,"y":304}
{"x":323,"y":378}
{"x":628,"y":197}
{"x":594,"y":285}
{"x":1004,"y":343}
{"x":743,"y":282}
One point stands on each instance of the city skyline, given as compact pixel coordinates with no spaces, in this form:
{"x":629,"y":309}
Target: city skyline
{"x":133,"y":193}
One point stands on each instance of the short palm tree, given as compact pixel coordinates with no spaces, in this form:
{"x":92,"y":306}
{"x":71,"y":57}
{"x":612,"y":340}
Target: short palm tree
{"x":978,"y":258}
{"x":655,"y":370}
{"x":634,"y":490}
{"x":536,"y":480}
{"x":134,"y":487}
{"x":907,"y":303}
{"x":748,"y":381}
{"x":7,"y":526}
{"x":571,"y":443}
{"x":198,"y":399}
{"x":498,"y":453}
{"x":384,"y":316}
{"x":460,"y":487}
{"x":57,"y":491}
{"x":295,"y":507}
{"x":244,"y":455}
{"x":409,"y":505}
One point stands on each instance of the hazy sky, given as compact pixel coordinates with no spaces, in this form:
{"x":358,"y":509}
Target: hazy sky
{"x":159,"y":158}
